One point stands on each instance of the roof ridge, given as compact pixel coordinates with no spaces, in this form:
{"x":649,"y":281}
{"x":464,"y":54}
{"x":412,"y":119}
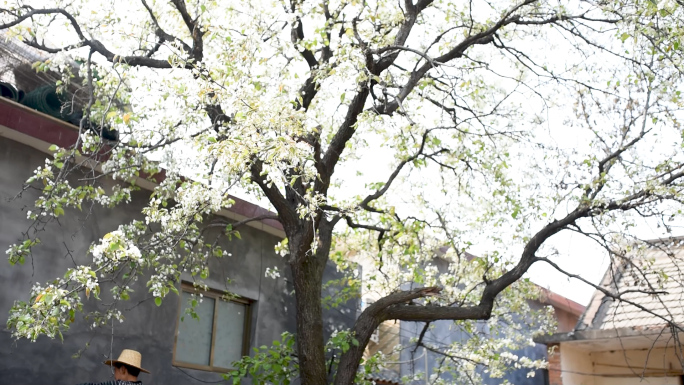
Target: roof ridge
{"x":677,"y":241}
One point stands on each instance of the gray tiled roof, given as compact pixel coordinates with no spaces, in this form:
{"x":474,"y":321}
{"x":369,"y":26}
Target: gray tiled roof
{"x":652,"y":280}
{"x":386,"y":377}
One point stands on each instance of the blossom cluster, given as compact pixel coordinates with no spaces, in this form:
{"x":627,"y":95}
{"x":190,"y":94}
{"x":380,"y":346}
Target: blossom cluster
{"x":115,"y":248}
{"x":49,"y":312}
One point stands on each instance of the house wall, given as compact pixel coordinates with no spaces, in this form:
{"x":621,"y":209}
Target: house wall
{"x":576,"y":365}
{"x":147,"y":328}
{"x":646,"y":365}
{"x":566,"y":320}
{"x":658,"y":366}
{"x":638,"y":381}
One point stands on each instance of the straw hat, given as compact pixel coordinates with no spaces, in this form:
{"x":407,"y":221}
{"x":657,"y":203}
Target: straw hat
{"x":128,"y":357}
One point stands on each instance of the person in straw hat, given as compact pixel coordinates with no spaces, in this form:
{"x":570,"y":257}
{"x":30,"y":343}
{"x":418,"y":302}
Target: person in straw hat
{"x":126,"y":369}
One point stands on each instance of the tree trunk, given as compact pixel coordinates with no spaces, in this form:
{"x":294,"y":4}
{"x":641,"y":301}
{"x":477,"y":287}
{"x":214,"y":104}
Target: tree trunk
{"x":307,"y":272}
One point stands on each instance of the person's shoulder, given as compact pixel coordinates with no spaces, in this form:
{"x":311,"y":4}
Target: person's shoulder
{"x":112,"y":382}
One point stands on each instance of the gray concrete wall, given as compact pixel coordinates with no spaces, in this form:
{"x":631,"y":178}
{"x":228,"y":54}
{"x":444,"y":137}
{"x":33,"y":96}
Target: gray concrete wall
{"x":148,"y":328}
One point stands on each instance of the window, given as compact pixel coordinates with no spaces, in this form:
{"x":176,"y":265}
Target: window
{"x":218,"y":338}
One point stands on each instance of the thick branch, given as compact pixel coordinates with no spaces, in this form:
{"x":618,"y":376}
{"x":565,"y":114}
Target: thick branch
{"x":94,"y":44}
{"x":412,"y":12}
{"x":286,"y":213}
{"x":355,"y":225}
{"x":159,"y":31}
{"x":493,"y":288}
{"x":237,"y":224}
{"x":342,"y":136}
{"x":197,"y":52}
{"x":396,"y":306}
{"x":366,"y":324}
{"x":309,"y":89}
{"x":346,"y":130}
{"x":484,"y":37}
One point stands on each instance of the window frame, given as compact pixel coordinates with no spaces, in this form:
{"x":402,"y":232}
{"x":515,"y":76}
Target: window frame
{"x":217,"y":296}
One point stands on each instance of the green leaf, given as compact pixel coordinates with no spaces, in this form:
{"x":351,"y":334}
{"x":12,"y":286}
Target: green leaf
{"x":114,"y":246}
{"x":158,"y":301}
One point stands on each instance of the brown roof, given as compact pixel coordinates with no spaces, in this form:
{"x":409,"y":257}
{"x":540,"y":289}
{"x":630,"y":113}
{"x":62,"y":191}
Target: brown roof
{"x":652,"y":281}
{"x":558,"y":301}
{"x":27,"y":126}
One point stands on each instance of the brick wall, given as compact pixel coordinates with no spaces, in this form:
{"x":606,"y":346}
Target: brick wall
{"x":555,"y":365}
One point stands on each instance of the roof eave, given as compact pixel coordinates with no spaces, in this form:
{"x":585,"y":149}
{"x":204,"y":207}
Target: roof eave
{"x":596,"y":334}
{"x":35,"y":129}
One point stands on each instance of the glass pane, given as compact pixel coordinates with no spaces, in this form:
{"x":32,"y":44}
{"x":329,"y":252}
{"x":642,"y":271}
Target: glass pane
{"x":194,"y":336}
{"x":230,"y":323}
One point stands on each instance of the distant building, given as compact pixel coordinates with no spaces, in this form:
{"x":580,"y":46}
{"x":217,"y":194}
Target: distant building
{"x":410,"y":361}
{"x":620,"y":343}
